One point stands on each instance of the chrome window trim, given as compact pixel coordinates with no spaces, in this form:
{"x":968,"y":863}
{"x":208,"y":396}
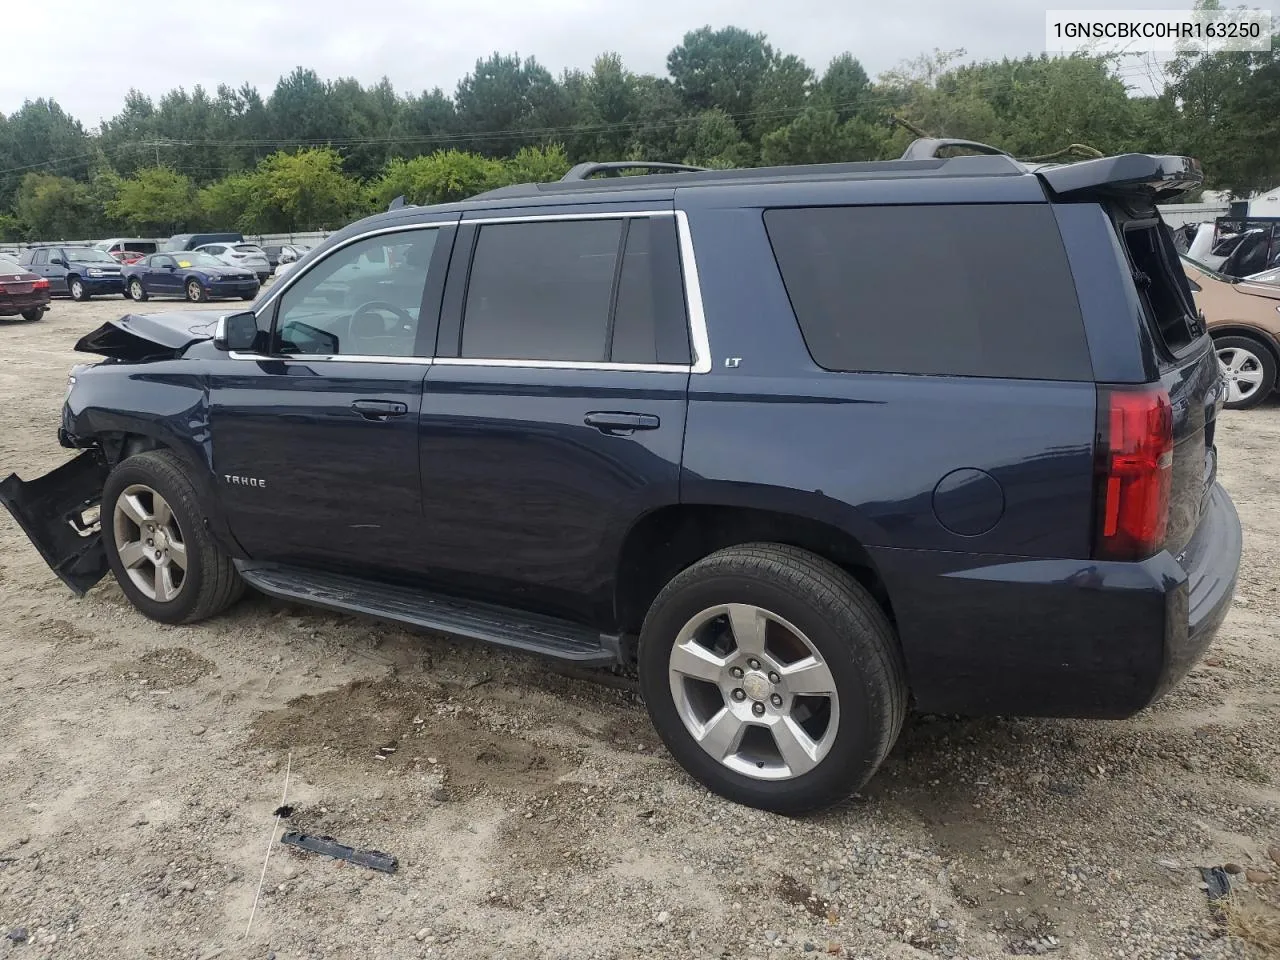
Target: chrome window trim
{"x":328,"y":358}
{"x":699,"y":342}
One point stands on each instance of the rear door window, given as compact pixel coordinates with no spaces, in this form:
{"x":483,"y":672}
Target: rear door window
{"x":590,"y":291}
{"x":952,"y":289}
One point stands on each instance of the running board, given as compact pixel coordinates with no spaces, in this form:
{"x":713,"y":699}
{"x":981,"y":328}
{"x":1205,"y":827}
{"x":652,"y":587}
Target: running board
{"x":500,"y":626}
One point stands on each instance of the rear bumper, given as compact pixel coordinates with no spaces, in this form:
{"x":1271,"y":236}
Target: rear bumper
{"x":17,"y":303}
{"x":1066,"y":638}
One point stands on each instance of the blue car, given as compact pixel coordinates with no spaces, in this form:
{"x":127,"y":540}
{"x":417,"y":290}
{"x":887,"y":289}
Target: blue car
{"x":188,"y":274}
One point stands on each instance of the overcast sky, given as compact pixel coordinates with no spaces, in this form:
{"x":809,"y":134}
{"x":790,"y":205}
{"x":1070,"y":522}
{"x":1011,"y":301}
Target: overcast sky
{"x":420,"y":45}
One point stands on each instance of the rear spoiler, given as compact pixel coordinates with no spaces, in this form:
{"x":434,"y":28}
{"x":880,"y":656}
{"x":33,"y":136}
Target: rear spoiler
{"x":1156,"y":177}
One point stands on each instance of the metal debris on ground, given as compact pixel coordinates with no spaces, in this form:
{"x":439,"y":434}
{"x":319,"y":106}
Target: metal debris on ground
{"x":1217,"y":883}
{"x":373,"y":859}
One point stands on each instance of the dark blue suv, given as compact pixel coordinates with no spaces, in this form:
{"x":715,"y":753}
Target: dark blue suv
{"x":805,"y":447}
{"x":75,"y":271}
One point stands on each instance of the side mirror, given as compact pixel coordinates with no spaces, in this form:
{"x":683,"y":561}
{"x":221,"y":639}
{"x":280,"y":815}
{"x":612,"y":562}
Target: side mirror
{"x":58,"y":262}
{"x":170,"y":267}
{"x":236,"y":331}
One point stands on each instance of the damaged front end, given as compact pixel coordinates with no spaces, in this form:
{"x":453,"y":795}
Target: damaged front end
{"x":59,"y":513}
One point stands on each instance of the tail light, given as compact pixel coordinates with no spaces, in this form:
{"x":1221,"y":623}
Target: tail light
{"x":41,"y":284}
{"x":1134,"y":471}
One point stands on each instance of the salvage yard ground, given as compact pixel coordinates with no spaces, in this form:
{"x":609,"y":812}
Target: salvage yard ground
{"x":536,"y":815}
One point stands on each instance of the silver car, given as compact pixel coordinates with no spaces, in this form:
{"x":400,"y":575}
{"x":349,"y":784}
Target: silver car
{"x":247,"y":256}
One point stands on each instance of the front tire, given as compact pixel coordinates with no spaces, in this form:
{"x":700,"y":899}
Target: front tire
{"x":78,"y":290}
{"x":135,"y":290}
{"x":1250,"y":369}
{"x":195,"y":292}
{"x":162,"y":556}
{"x":773,"y":677}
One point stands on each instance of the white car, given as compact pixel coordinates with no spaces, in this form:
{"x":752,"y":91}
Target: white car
{"x":247,"y":256}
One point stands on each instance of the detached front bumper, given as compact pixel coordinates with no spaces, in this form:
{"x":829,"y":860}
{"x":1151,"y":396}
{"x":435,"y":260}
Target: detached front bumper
{"x":56,"y":513}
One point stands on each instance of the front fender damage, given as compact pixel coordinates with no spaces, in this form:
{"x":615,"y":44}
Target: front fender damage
{"x":58,"y":513}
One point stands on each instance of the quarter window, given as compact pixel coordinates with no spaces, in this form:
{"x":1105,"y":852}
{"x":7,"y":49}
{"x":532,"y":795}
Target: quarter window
{"x":950,"y":289}
{"x":363,"y":300}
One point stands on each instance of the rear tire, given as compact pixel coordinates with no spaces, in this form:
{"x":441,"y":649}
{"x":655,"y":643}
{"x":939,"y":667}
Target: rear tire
{"x":32,"y":315}
{"x":817,"y":629}
{"x":1250,"y":369}
{"x":191,"y":579}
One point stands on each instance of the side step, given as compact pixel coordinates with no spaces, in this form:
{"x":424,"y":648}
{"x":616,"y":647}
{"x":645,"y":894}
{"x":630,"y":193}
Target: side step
{"x":501,"y":626}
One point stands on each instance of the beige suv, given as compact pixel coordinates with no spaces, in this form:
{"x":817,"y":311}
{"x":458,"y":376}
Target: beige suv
{"x":1244,"y":320}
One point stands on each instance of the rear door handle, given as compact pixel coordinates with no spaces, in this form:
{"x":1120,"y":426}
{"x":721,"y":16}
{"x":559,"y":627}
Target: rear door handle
{"x":621,"y":423}
{"x":379,"y":410}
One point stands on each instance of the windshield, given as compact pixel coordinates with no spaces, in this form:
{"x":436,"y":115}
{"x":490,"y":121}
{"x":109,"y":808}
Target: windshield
{"x":88,"y":255}
{"x":7,"y":266}
{"x":1209,"y":270}
{"x":248,"y":248}
{"x":197,"y":259}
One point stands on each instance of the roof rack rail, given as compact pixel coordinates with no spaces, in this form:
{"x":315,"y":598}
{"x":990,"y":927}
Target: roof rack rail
{"x":926,"y":148}
{"x":585,"y":171}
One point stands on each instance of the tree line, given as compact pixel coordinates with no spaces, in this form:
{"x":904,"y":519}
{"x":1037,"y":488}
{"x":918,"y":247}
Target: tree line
{"x":315,"y":154}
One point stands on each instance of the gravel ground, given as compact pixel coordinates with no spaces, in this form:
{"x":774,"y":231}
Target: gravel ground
{"x":535,"y":814}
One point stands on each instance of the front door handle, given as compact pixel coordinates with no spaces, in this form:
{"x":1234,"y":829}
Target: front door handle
{"x":621,"y":424}
{"x":379,"y":410}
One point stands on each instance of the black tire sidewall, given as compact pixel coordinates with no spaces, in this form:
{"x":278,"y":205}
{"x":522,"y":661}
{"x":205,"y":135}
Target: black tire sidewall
{"x":852,"y":757}
{"x":31,"y":316}
{"x":1265,"y":357}
{"x":139,"y":470}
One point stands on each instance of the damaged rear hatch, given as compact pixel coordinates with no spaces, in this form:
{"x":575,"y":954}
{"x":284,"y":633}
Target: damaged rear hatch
{"x":59,"y":512}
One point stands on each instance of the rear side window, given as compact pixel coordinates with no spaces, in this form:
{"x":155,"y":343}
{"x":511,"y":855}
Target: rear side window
{"x":576,"y":290}
{"x":952,"y":289}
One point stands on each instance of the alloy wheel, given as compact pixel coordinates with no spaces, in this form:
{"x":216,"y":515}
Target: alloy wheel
{"x":150,"y":543}
{"x":1243,"y":371}
{"x":754,"y":692}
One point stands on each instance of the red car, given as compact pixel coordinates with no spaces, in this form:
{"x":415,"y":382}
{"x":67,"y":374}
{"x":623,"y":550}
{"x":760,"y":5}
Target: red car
{"x":22,"y":292}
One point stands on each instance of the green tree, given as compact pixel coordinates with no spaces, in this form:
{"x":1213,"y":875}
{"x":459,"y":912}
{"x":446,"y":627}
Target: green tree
{"x":537,"y":164}
{"x":155,"y":200}
{"x":306,"y":190}
{"x":230,"y":204}
{"x":507,"y":102}
{"x":440,"y":177}
{"x":818,"y":136}
{"x":55,"y":208}
{"x":721,"y":69}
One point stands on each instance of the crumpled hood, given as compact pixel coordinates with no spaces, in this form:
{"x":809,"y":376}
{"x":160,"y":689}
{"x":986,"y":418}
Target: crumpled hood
{"x":141,"y":337}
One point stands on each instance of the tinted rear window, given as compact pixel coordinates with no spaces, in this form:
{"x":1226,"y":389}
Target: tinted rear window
{"x":962,"y":290}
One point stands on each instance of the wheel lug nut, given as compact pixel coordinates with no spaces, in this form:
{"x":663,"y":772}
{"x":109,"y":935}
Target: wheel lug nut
{"x":757,"y":709}
{"x":736,"y":672}
{"x":738,"y":694}
{"x":753,"y":664}
{"x":157,"y":554}
{"x":776,"y":700}
{"x":151,"y":543}
{"x":774,"y":678}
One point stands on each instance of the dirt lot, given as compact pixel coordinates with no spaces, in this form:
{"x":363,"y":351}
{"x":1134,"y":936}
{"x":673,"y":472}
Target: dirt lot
{"x":536,"y":816}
